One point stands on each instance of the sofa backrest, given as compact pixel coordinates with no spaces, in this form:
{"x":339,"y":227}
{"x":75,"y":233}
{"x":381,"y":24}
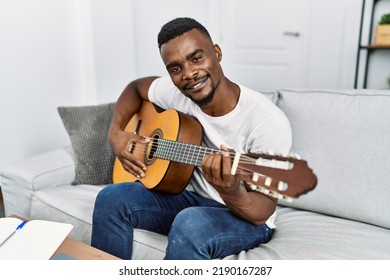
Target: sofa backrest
{"x":345,"y":137}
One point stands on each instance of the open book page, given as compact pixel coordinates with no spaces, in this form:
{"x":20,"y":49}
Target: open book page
{"x":37,"y":240}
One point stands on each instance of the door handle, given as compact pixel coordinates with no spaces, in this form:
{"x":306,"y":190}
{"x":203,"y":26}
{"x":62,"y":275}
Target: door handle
{"x":291,"y":33}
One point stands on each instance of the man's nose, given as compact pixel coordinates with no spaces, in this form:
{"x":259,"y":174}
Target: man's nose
{"x":189,"y":72}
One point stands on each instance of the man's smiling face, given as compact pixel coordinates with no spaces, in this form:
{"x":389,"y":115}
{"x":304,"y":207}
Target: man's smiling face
{"x":192,"y":61}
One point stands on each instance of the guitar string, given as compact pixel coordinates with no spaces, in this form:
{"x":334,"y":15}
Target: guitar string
{"x":244,"y":159}
{"x":197,"y":151}
{"x":197,"y":154}
{"x":171,"y":144}
{"x":200,"y":150}
{"x":243,"y":170}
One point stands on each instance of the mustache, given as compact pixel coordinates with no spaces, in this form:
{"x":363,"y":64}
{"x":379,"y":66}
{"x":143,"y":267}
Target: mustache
{"x":197,"y":79}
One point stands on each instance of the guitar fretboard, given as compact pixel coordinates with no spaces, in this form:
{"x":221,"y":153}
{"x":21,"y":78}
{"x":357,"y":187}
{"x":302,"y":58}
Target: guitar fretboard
{"x":181,"y":152}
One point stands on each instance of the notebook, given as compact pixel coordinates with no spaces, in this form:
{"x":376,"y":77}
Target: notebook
{"x":35,"y":240}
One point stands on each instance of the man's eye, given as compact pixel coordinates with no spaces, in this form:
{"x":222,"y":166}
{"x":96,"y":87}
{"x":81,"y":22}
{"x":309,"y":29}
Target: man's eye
{"x":175,"y":69}
{"x":197,"y":58}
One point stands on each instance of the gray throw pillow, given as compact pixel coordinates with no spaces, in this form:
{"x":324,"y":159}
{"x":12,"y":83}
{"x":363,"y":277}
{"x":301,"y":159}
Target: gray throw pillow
{"x":87,"y":127}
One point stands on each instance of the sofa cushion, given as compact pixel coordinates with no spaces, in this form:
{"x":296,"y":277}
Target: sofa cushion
{"x":148,"y":245}
{"x":344,"y":135}
{"x":304,"y":235}
{"x":271,"y":95}
{"x":20,"y":179}
{"x":68,"y":204}
{"x":87,"y":127}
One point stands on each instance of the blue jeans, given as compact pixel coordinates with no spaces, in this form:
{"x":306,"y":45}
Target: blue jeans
{"x":197,"y":227}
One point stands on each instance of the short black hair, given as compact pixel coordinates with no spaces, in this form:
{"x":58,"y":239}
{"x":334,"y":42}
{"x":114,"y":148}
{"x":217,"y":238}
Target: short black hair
{"x":177,"y":27}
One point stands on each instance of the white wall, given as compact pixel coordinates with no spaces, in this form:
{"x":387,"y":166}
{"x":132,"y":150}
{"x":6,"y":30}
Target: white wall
{"x":72,"y":52}
{"x":113,"y":29}
{"x":150,"y":15}
{"x":332,"y":43}
{"x":41,"y":67}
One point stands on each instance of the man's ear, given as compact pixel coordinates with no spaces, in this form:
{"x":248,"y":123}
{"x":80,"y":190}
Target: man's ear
{"x":218,"y":52}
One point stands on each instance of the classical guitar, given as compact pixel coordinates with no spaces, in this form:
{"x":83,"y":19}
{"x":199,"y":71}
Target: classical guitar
{"x":174,"y":151}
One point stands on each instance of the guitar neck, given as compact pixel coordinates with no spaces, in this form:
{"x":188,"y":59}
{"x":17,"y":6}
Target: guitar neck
{"x":180,"y":152}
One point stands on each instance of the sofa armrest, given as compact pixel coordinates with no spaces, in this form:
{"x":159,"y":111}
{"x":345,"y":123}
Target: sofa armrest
{"x":20,"y":179}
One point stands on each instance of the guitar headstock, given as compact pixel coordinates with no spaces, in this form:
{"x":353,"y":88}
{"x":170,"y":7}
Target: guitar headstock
{"x":281,"y":176}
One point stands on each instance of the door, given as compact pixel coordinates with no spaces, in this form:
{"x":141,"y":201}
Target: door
{"x":263,"y":42}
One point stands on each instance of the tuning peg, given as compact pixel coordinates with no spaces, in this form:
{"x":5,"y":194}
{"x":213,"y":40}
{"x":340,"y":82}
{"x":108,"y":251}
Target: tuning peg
{"x":287,"y":198}
{"x":265,"y":191}
{"x":271,"y":193}
{"x":294,"y":156}
{"x":255,"y":177}
{"x":282,"y":186}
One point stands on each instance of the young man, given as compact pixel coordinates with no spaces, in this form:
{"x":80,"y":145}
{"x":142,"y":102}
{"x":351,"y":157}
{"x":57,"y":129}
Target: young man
{"x":218,"y":217}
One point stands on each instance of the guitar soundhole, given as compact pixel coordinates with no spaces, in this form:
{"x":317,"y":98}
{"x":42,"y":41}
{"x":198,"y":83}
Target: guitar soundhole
{"x":152,"y":147}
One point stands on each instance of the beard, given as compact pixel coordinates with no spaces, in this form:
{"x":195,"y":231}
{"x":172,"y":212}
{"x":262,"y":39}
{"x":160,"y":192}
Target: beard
{"x":207,"y":99}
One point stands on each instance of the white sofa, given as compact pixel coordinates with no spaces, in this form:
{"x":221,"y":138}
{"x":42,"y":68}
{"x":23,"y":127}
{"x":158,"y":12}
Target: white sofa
{"x":343,"y":134}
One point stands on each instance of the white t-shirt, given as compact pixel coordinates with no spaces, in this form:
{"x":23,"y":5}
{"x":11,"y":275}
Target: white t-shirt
{"x":254,"y":125}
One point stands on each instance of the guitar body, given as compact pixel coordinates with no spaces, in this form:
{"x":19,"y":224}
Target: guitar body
{"x":162,"y":175}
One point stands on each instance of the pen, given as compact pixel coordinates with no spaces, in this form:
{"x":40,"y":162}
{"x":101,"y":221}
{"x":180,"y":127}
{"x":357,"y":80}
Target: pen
{"x":17,"y":228}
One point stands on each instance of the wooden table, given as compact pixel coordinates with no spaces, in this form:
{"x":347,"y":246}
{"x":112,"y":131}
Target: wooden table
{"x":81,"y":251}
